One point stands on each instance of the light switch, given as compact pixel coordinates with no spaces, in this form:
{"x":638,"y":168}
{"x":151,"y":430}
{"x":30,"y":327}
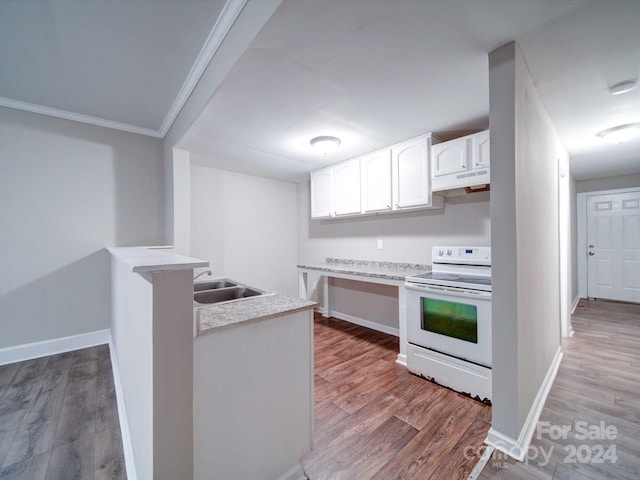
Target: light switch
{"x":379,"y":244}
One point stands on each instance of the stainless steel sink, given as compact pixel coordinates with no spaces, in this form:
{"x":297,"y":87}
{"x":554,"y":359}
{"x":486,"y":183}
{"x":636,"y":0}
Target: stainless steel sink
{"x":213,"y":285}
{"x":223,"y":291}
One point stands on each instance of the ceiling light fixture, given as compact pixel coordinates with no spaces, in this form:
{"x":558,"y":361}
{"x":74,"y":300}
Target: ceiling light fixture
{"x":623,"y":87}
{"x":325,"y":144}
{"x":621,"y":133}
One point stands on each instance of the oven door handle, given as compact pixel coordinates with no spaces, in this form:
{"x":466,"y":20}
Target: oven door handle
{"x":458,"y":292}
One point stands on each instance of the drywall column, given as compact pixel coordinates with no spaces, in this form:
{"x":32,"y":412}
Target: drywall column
{"x":173,"y":374}
{"x":504,"y":277}
{"x":525,"y":149}
{"x":181,"y":201}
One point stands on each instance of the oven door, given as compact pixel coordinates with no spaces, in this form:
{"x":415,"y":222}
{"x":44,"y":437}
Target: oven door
{"x":449,"y":320}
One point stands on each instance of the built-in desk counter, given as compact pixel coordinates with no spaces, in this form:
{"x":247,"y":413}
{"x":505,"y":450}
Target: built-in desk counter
{"x":386,"y":273}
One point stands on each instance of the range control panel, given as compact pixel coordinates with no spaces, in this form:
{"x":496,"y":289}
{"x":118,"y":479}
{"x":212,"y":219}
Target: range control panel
{"x":462,"y":255}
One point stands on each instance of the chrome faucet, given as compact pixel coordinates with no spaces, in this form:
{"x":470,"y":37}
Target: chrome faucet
{"x":208,"y":272}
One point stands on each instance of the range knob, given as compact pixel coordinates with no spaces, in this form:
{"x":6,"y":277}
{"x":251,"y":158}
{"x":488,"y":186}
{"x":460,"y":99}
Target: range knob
{"x":449,"y":252}
{"x":440,"y":253}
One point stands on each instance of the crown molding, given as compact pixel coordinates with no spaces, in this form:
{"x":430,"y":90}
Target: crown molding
{"x":218,"y":33}
{"x":77,"y":117}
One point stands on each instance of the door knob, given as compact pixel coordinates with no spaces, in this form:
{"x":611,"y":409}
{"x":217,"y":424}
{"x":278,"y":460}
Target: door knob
{"x":591,"y":254}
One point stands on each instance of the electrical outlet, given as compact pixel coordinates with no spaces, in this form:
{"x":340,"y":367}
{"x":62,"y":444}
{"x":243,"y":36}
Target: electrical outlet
{"x":379,"y":244}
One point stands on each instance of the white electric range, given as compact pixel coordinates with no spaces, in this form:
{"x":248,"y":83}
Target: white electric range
{"x":449,"y":321}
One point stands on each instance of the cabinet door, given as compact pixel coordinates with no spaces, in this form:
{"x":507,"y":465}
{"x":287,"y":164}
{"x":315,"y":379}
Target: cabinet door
{"x":411,"y":185}
{"x":322,"y":193}
{"x":450,"y":157}
{"x":480,"y":156}
{"x":376,"y":181}
{"x":346,"y":187}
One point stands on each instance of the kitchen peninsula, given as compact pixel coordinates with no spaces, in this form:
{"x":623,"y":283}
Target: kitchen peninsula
{"x":202,"y":389}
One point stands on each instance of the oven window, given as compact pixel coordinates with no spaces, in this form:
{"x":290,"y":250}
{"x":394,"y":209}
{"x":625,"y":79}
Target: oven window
{"x":452,"y":319}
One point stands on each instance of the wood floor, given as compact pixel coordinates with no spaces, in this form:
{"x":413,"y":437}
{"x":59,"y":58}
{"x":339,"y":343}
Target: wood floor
{"x":596,"y":390}
{"x":375,"y":420}
{"x":59,"y":418}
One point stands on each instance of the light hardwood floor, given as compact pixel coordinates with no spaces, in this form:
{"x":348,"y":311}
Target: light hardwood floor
{"x":59,"y":418}
{"x":373,"y":419}
{"x":597,"y":390}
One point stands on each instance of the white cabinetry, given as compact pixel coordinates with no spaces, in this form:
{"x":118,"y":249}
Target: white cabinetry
{"x":376,"y":181}
{"x":480,"y":150}
{"x":411,"y":185}
{"x":462,"y":162}
{"x":451,"y":157}
{"x":391,"y":179}
{"x":322,"y":193}
{"x":346,"y":188}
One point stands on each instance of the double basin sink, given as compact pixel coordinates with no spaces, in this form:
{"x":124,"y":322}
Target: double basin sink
{"x":223,"y":290}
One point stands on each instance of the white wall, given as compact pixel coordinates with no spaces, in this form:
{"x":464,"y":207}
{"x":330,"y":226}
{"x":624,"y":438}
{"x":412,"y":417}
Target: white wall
{"x":66,"y":191}
{"x":609,"y":183}
{"x":255,"y":14}
{"x":406,"y":237}
{"x":245,"y":227}
{"x":133,"y":351}
{"x":524,"y":180}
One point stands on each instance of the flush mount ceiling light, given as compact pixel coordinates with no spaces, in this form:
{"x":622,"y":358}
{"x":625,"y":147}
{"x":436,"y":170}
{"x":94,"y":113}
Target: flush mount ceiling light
{"x":325,"y":144}
{"x":623,"y":87}
{"x":621,"y":133}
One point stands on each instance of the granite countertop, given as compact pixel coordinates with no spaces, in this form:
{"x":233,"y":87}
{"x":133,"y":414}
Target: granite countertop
{"x":388,"y":270}
{"x":215,"y":317}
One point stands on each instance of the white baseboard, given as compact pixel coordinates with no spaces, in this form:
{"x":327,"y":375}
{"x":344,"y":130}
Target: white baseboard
{"x":295,"y":473}
{"x":29,"y":351}
{"x":122,"y":416}
{"x":402,"y":359}
{"x":575,"y":304}
{"x":518,"y":448}
{"x":366,"y":323}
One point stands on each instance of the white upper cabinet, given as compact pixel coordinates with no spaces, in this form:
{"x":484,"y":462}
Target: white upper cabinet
{"x":346,"y":187}
{"x":391,"y":179}
{"x":376,"y":181}
{"x":480,"y":149}
{"x":451,"y":157}
{"x":322,"y":193}
{"x":411,"y":185}
{"x":462,"y":162}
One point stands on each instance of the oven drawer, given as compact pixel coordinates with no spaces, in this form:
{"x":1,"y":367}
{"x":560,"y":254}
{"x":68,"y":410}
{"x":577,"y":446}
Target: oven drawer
{"x":467,"y":378}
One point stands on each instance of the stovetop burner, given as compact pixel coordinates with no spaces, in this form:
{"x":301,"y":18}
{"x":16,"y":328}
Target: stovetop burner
{"x":461,"y":267}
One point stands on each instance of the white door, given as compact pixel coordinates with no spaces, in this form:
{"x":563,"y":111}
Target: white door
{"x":346,"y":187}
{"x":613,"y":246}
{"x":376,"y":181}
{"x":411,"y":185}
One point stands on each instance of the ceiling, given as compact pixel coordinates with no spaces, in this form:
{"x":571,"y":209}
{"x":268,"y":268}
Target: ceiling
{"x":372,"y":72}
{"x":120,"y":64}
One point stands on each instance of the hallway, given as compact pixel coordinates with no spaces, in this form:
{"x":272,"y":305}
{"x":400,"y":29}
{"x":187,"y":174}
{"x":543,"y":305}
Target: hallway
{"x":595,"y":397}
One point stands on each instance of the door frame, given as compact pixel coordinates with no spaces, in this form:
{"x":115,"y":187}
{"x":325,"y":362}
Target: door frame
{"x":582,"y":234}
